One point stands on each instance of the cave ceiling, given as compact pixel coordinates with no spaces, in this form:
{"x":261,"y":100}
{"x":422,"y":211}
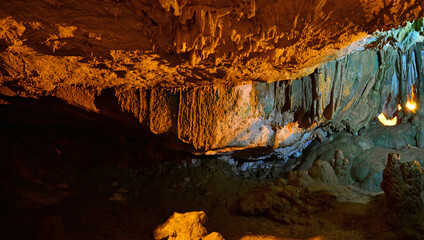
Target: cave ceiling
{"x":145,"y":43}
{"x":209,"y":73}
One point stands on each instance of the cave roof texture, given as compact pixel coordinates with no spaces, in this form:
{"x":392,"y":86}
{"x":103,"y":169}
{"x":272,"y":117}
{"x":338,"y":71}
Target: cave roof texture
{"x":174,"y":43}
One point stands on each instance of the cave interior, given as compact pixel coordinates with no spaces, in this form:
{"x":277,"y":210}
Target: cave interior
{"x":211,"y":120}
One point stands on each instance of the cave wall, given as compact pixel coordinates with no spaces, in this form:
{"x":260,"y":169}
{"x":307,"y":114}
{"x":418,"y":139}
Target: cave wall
{"x":347,"y":93}
{"x":343,"y":94}
{"x":216,"y":75}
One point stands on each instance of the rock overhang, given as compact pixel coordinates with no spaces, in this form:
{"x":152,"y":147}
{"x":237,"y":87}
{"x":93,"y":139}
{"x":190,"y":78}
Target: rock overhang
{"x":181,"y":42}
{"x":192,"y":69}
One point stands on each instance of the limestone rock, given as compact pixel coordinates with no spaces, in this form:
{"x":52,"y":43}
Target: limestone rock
{"x":244,"y":34}
{"x":213,"y":236}
{"x":351,"y":146}
{"x":209,"y":73}
{"x":223,"y":115}
{"x":341,"y":168}
{"x":323,"y":171}
{"x":301,"y":179}
{"x":397,"y":136}
{"x":185,"y":226}
{"x":403,"y":185}
{"x":420,"y":135}
{"x":341,"y":193}
{"x":368,"y":168}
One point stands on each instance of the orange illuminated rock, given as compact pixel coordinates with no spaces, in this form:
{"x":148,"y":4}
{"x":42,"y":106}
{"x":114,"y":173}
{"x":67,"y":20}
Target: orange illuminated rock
{"x":259,"y":237}
{"x":193,"y":70}
{"x":184,"y":41}
{"x":185,"y":226}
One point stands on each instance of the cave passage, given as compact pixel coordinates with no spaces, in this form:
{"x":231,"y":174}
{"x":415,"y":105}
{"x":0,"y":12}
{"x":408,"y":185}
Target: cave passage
{"x":211,"y":120}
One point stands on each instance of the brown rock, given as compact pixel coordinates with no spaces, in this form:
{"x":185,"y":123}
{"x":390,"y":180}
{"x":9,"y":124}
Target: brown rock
{"x":213,"y":236}
{"x":284,"y":202}
{"x":403,"y":185}
{"x":185,"y":226}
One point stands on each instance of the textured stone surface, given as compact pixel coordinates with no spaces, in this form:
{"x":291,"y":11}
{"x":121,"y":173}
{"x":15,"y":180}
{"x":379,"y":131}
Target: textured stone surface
{"x":185,"y":226}
{"x":351,"y":145}
{"x":192,"y":70}
{"x":403,"y":187}
{"x":397,"y":136}
{"x":341,"y":168}
{"x":420,"y":135}
{"x":231,"y":40}
{"x":254,"y":114}
{"x":323,"y":171}
{"x":284,"y":202}
{"x":213,"y":236}
{"x":367,"y":160}
{"x":368,"y":168}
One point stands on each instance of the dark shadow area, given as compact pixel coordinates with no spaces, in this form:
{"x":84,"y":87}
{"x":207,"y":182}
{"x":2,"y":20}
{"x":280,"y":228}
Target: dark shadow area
{"x":60,"y":164}
{"x":50,"y":114}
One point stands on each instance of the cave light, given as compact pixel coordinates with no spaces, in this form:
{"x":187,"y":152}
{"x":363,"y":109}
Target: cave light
{"x":411,"y":104}
{"x":387,"y":122}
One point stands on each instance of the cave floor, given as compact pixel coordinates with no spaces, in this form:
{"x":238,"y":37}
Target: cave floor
{"x":52,"y":193}
{"x":105,"y":202}
{"x":65,"y":182}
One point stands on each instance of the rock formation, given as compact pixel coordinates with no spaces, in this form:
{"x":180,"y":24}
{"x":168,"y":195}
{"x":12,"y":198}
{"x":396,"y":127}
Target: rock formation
{"x":324,"y":172}
{"x":194,"y":71}
{"x":341,"y":168}
{"x":403,"y":185}
{"x":229,"y":40}
{"x":185,"y":226}
{"x":335,"y":172}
